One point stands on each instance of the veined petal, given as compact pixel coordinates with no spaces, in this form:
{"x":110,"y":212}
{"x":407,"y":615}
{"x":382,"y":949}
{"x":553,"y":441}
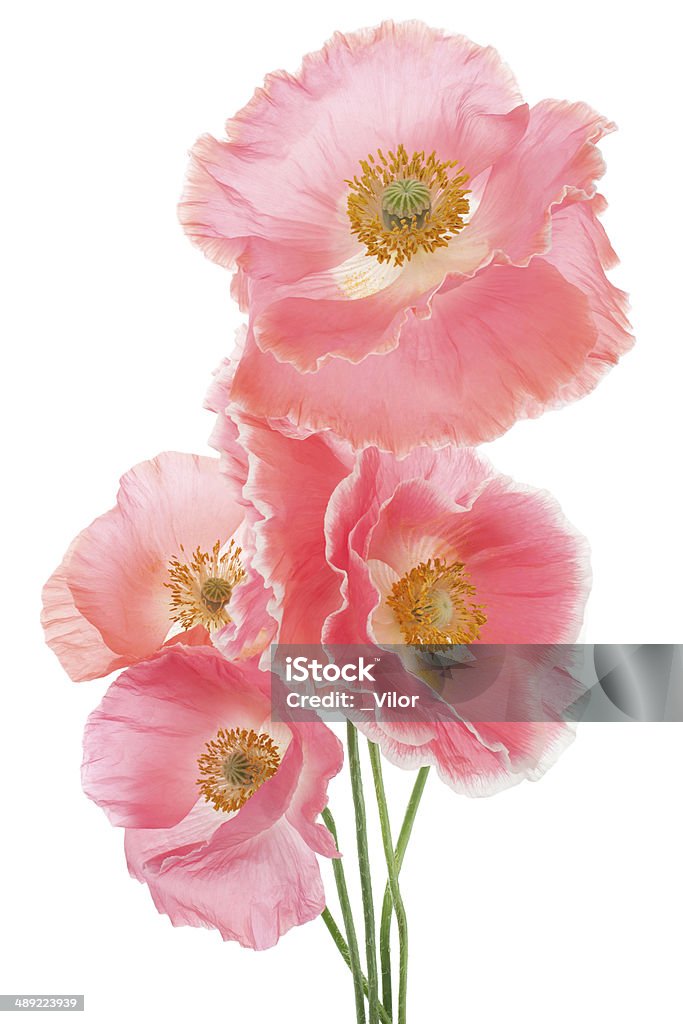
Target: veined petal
{"x":497,"y":347}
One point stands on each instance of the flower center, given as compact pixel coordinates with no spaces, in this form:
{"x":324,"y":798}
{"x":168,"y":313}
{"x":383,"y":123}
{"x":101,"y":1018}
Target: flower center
{"x":201,"y":589}
{"x":432,"y":604}
{"x":400,"y":204}
{"x":405,"y":200}
{"x":234,"y":765}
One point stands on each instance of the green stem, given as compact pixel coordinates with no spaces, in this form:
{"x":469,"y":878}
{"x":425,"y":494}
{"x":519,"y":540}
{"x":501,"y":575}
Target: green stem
{"x":387,"y":905}
{"x":392,"y":871}
{"x":352,"y":956}
{"x":365,"y":876}
{"x":339,"y":942}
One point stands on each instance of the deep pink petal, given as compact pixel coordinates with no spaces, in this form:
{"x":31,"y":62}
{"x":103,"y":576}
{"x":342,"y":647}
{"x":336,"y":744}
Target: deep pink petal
{"x":292,"y":501}
{"x":500,"y":346}
{"x":529,"y":566}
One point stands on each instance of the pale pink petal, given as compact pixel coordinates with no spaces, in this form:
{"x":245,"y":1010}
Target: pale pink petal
{"x":251,"y":874}
{"x":556,"y":159}
{"x":252,"y":892}
{"x":272,"y":198}
{"x":118,"y":566}
{"x":252,"y":627}
{"x":224,"y":437}
{"x":78,"y":645}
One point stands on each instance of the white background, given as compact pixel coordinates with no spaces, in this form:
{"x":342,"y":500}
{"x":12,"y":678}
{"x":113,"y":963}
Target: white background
{"x":559,"y":901}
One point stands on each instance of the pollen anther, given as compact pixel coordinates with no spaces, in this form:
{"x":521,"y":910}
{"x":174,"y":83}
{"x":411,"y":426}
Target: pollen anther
{"x":234,"y":765}
{"x":202,"y":588}
{"x":432,"y":604}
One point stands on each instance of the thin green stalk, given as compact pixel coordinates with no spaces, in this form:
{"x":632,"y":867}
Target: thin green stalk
{"x":365,"y":876}
{"x":392,"y":871}
{"x":339,"y":942}
{"x":387,"y":905}
{"x":347,"y":914}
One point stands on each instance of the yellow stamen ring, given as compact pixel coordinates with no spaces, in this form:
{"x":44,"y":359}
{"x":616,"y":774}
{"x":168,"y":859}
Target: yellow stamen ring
{"x":201,"y":589}
{"x":400,"y":205}
{"x":432,"y":604}
{"x":234,"y":765}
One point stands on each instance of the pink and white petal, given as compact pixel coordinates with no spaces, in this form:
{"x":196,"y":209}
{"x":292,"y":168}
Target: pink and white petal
{"x":532,"y":747}
{"x":78,"y":645}
{"x":142,"y":743}
{"x":119,"y":564}
{"x":466,"y":763}
{"x":557,"y":158}
{"x":253,"y":892}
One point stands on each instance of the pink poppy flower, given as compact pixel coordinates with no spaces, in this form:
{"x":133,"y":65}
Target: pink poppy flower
{"x":170,"y":563}
{"x":434,"y":548}
{"x":422,"y":265}
{"x":219,"y":803}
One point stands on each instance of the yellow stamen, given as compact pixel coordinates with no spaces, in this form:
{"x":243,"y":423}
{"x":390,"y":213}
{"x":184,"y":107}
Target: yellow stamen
{"x":431,"y":604}
{"x":201,"y":590}
{"x":235,"y":764}
{"x":372,"y":204}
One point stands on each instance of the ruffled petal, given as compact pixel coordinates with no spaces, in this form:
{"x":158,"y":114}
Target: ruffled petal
{"x":323,"y":757}
{"x":290,"y":481}
{"x":252,"y":891}
{"x":308,"y":332}
{"x":78,"y":645}
{"x":273,"y":197}
{"x":475,"y":760}
{"x":497,"y":347}
{"x":581,"y":252}
{"x":557,"y":159}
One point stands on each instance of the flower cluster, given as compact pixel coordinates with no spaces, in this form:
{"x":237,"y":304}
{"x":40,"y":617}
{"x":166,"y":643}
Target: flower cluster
{"x":421,"y":261}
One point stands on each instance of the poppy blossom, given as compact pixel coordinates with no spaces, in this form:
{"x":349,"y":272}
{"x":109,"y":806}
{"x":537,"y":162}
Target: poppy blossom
{"x":420,"y":253}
